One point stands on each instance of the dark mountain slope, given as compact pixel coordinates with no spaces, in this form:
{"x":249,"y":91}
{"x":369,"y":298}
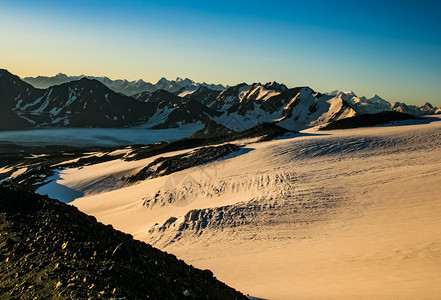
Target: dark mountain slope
{"x":49,"y":250}
{"x":84,"y":103}
{"x":212,"y":130}
{"x":12,"y":91}
{"x":368,"y":120}
{"x":187,"y":112}
{"x":204,"y":95}
{"x":159,"y":96}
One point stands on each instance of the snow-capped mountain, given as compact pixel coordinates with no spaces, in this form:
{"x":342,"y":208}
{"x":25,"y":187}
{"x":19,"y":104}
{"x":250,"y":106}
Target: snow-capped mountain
{"x":172,"y":110}
{"x":12,"y":88}
{"x":89,"y":102}
{"x":376,"y":104}
{"x":426,"y":109}
{"x":364,"y":105}
{"x":245,"y":106}
{"x":202,"y":94}
{"x":124,"y":86}
{"x":82,"y":103}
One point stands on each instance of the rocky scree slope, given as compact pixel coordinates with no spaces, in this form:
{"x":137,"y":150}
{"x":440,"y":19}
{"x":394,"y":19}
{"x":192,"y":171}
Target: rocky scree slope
{"x":51,"y":250}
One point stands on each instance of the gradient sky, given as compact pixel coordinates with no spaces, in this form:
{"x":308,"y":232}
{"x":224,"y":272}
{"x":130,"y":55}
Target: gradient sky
{"x":391,"y":48}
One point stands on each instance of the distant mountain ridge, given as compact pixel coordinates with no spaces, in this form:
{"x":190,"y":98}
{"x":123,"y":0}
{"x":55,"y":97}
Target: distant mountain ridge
{"x":89,"y":102}
{"x":124,"y":86}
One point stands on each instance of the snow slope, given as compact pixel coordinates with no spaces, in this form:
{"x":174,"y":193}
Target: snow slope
{"x":321,"y":215}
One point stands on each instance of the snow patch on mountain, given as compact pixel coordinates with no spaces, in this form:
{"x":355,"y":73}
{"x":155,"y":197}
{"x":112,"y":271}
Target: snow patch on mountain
{"x":188,"y":90}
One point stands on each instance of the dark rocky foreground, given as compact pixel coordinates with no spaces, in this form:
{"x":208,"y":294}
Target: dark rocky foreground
{"x":368,"y":120}
{"x":50,"y":250}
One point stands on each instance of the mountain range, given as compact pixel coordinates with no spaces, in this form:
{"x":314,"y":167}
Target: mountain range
{"x":65,"y":101}
{"x":124,"y":86}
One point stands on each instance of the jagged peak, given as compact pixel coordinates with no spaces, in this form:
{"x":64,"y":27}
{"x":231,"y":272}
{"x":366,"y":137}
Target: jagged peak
{"x":61,"y":75}
{"x":376,"y":96}
{"x":86,"y":81}
{"x":398,"y":104}
{"x":346,"y":95}
{"x":163,"y":80}
{"x":427,"y":105}
{"x":350,"y":93}
{"x":307,"y":88}
{"x":332,"y":93}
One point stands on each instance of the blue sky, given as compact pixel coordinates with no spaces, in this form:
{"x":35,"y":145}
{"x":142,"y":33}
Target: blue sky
{"x":391,"y":48}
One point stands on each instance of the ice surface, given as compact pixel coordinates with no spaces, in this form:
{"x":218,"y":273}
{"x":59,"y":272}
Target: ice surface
{"x":84,"y":137}
{"x":338,"y":215}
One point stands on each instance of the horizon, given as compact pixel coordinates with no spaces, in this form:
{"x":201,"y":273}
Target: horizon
{"x":217,"y":83}
{"x":385,"y":48}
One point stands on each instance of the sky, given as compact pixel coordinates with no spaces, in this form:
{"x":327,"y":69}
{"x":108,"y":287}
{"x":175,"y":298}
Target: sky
{"x":389,"y":48}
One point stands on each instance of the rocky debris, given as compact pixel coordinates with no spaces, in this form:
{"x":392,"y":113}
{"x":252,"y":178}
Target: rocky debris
{"x":51,"y":250}
{"x":211,"y":134}
{"x":212,"y":130}
{"x":368,"y":120}
{"x":167,"y":165}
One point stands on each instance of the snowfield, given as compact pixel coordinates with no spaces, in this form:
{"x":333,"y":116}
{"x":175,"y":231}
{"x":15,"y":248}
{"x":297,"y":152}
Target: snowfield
{"x":319,"y":215}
